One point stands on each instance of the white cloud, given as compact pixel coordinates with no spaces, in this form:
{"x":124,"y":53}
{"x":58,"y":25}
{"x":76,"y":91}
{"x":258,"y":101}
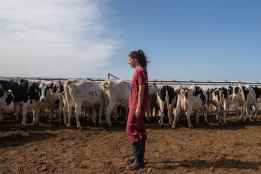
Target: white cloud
{"x":61,"y":38}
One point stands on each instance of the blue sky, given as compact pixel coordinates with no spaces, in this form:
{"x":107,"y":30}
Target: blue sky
{"x":188,"y":39}
{"x":184,"y":39}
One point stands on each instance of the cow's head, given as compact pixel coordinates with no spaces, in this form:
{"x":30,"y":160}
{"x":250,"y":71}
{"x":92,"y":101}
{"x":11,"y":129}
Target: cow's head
{"x":230,"y":90}
{"x":34,"y":92}
{"x":212,"y":94}
{"x":238,"y":94}
{"x":184,"y":91}
{"x":47,"y":90}
{"x":257,"y":91}
{"x":24,"y":84}
{"x":220,"y":94}
{"x":245,"y":92}
{"x":6,"y":94}
{"x":10,"y":97}
{"x":60,"y":87}
{"x":197,"y":91}
{"x":106,"y":85}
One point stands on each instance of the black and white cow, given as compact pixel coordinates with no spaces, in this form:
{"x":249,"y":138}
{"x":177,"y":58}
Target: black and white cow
{"x":48,"y":103}
{"x":19,"y":92}
{"x":213,"y":101}
{"x":6,"y":99}
{"x":245,"y":101}
{"x":30,"y":105}
{"x":225,"y":101}
{"x":167,"y":99}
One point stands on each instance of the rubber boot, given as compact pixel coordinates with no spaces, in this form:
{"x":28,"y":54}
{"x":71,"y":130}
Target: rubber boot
{"x":137,"y":151}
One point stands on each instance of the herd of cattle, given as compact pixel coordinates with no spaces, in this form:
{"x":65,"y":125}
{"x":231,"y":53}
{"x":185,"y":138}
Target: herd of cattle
{"x":29,"y":101}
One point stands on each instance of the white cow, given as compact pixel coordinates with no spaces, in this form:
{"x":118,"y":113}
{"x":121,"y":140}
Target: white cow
{"x":189,"y":100}
{"x":79,"y":94}
{"x":116,"y":93}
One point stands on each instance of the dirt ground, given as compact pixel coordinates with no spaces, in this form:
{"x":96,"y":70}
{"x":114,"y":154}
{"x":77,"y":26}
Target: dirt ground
{"x":234,"y":149}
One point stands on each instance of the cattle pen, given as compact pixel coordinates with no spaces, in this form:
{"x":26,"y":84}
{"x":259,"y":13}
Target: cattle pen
{"x":234,"y":148}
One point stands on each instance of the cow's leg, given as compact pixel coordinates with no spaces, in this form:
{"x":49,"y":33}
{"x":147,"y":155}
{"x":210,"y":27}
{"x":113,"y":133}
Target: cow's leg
{"x":221,"y":115}
{"x":16,"y":111}
{"x":53,"y":115}
{"x":188,"y":119}
{"x":237,"y":111}
{"x":108,"y":115}
{"x":161,"y":107}
{"x":65,"y":117}
{"x":24,"y":113}
{"x":60,"y":115}
{"x":205,"y":113}
{"x":248,"y":113}
{"x":254,"y":111}
{"x":218,"y":113}
{"x":65,"y":112}
{"x":170,"y":115}
{"x":148,"y":114}
{"x":224,"y":110}
{"x":78,"y":109}
{"x":35,"y":117}
{"x":251,"y":112}
{"x":69,"y":116}
{"x":162,"y":115}
{"x":176,"y":117}
{"x":161,"y":120}
{"x":244,"y":114}
{"x":197,"y":117}
{"x":94,"y":116}
{"x":241,"y":113}
{"x":100,"y":115}
{"x":153,"y":112}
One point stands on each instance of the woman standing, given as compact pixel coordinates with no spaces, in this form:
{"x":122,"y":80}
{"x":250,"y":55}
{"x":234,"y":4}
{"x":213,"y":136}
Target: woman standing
{"x":138,"y":101}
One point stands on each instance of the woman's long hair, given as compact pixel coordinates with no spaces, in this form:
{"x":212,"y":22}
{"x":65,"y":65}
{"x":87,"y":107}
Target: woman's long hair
{"x":140,"y":56}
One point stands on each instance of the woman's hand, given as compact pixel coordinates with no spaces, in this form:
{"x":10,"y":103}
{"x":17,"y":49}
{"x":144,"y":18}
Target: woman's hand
{"x":138,"y":112}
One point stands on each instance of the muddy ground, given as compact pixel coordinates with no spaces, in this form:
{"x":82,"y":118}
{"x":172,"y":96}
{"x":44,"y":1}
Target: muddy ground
{"x":233,"y":149}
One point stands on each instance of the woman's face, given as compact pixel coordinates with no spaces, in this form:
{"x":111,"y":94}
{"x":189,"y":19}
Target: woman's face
{"x":132,"y":62}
